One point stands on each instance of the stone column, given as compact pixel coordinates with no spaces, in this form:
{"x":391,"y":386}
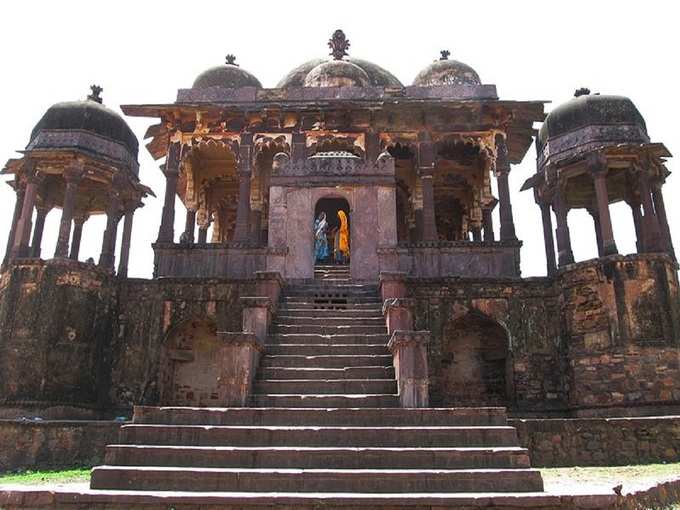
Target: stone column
{"x":113,"y":213}
{"x":565,"y":254}
{"x":409,"y":350}
{"x":237,"y":359}
{"x":637,"y":223}
{"x":23,"y":231}
{"x":598,"y":230}
{"x":476,"y":234}
{"x":190,"y":226}
{"x":650,"y":222}
{"x":72,"y":177}
{"x":15,"y":219}
{"x":125,"y":247}
{"x":166,"y":232}
{"x":299,"y":147}
{"x":548,"y":238}
{"x":426,"y":164}
{"x":242,"y":228}
{"x":202,"y":235}
{"x":38,"y":230}
{"x":660,"y":208}
{"x":598,"y":169}
{"x":78,"y":222}
{"x":487,"y":223}
{"x":502,"y":174}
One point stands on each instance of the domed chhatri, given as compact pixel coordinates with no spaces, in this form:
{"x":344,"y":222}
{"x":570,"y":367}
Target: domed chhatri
{"x":340,"y":71}
{"x":89,"y":115}
{"x":446,"y":72}
{"x":586,"y":109}
{"x":229,"y":76}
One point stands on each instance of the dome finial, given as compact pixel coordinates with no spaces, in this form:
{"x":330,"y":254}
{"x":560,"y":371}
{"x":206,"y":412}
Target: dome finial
{"x":95,"y":95}
{"x":444,"y":54}
{"x":231,"y":60}
{"x":583,"y":91}
{"x":339,"y":44}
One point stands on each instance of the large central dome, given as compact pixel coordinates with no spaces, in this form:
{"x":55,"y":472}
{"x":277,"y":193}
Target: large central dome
{"x":339,"y":71}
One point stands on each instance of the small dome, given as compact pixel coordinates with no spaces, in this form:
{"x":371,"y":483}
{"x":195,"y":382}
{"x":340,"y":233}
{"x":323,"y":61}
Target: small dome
{"x":377,"y":76}
{"x":229,"y":76}
{"x":337,"y":73}
{"x":587,"y":109}
{"x":446,"y":72}
{"x":88,"y":115}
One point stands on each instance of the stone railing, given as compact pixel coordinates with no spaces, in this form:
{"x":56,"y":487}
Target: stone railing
{"x":458,"y":258}
{"x":208,"y":260}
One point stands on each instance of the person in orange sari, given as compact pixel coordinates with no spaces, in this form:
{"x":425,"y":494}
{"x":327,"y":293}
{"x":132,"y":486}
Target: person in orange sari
{"x":343,"y":235}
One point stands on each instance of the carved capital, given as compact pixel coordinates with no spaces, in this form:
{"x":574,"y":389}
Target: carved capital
{"x":255,"y":302}
{"x":74,"y":172}
{"x":394,"y":303}
{"x":402,"y":338}
{"x":241,"y":339}
{"x":597,"y":164}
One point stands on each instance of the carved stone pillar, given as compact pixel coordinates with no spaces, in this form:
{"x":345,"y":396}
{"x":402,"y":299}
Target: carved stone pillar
{"x":637,"y":224}
{"x":660,"y":208}
{"x":107,"y":257}
{"x":166,"y":232}
{"x":78,"y":222}
{"x":548,"y":238}
{"x":504,"y":204}
{"x":565,"y":254}
{"x":426,"y":163}
{"x":598,"y":168}
{"x":242,"y":228}
{"x":23,"y":232}
{"x":650,"y":221}
{"x":392,"y":284}
{"x":598,"y":230}
{"x":190,"y":226}
{"x":237,"y":358}
{"x":476,"y":234}
{"x":398,"y":313}
{"x":202,"y":235}
{"x":257,"y":315}
{"x":409,"y":349}
{"x":38,"y":229}
{"x":72,"y":176}
{"x":20,"y":192}
{"x":487,"y":224}
{"x":125,"y":246}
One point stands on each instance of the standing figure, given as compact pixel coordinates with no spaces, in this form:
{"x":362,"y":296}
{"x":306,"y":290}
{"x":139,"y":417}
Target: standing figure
{"x":343,"y":238}
{"x":320,"y":241}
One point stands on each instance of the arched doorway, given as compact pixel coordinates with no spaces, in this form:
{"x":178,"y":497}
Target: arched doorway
{"x":190,"y":369}
{"x":475,"y":366}
{"x":330,"y":206}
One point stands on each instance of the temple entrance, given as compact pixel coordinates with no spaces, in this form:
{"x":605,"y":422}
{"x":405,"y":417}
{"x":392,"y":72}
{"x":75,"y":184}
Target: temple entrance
{"x":475,"y":363}
{"x":191,"y":370}
{"x":336,"y":250}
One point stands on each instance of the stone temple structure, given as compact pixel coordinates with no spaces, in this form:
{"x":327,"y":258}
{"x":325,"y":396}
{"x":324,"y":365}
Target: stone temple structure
{"x":420,"y":341}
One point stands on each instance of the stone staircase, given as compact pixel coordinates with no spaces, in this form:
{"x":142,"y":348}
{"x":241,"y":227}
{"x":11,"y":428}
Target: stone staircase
{"x":324,"y":420}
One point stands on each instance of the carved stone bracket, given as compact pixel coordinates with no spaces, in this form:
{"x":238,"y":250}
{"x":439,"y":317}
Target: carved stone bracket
{"x":409,"y":349}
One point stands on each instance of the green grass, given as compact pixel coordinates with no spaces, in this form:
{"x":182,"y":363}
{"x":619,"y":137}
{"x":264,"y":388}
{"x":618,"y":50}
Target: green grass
{"x":41,"y":477}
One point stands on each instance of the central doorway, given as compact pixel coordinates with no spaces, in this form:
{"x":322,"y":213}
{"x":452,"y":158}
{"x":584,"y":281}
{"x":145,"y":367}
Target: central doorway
{"x":334,"y":254}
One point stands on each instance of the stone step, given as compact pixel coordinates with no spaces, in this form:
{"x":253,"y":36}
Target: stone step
{"x":416,"y":436}
{"x":301,"y":457}
{"x":318,"y":339}
{"x":328,"y":330}
{"x":327,"y":373}
{"x":345,"y":313}
{"x":453,"y":416}
{"x":327,"y":386}
{"x":315,"y":480}
{"x":327,"y":361}
{"x":301,"y":303}
{"x":288,"y":320}
{"x":324,"y":400}
{"x":291,"y":349}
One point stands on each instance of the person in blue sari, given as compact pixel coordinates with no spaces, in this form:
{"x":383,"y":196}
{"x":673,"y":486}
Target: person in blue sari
{"x":321,"y":251}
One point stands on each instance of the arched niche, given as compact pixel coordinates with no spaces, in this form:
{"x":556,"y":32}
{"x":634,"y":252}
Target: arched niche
{"x":189,"y":368}
{"x":475,"y":368}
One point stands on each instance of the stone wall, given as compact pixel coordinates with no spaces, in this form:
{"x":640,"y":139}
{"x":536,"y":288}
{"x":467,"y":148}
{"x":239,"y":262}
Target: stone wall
{"x":526,"y":313}
{"x":54,"y":444}
{"x":622,"y":332}
{"x":55,"y":324}
{"x":150,"y":313}
{"x":600,"y":441}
